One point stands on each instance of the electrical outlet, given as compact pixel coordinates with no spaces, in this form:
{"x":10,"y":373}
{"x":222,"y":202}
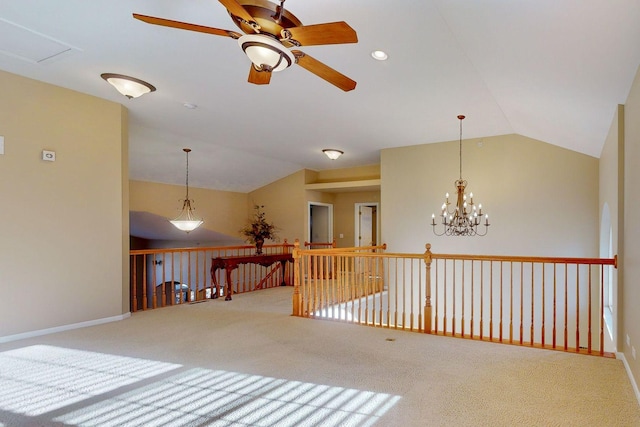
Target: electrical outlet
{"x":628,"y":340}
{"x":633,"y":352}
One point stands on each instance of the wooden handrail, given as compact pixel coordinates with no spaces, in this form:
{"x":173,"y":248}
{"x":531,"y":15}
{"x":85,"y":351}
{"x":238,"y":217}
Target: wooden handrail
{"x":152,"y":270}
{"x":540,"y":301}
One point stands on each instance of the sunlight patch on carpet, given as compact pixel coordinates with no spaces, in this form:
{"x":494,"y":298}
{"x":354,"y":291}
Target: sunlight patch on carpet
{"x":219,"y":398}
{"x":39,"y":379}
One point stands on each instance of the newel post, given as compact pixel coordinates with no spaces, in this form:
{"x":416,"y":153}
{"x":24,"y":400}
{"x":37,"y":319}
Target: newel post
{"x":427,"y":302}
{"x":297,"y":301}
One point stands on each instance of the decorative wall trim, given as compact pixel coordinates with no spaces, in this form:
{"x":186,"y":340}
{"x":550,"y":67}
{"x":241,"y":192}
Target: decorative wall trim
{"x":63,"y":328}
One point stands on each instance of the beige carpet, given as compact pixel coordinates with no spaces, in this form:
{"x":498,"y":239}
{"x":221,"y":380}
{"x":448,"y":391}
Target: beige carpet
{"x":249,"y":363}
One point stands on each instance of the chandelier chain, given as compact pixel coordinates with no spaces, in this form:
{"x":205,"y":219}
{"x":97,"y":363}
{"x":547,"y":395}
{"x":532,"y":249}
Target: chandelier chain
{"x":460,"y":146}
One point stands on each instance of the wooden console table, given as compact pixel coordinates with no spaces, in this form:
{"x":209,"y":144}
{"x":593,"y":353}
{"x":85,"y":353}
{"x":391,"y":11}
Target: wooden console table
{"x":231,"y":263}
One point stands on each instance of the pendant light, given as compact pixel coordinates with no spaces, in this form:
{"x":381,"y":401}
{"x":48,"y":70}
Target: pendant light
{"x":187,"y":221}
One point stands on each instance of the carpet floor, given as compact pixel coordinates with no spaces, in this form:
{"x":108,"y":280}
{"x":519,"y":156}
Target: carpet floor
{"x":248,"y":362}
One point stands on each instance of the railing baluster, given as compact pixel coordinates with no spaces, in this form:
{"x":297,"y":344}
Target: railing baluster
{"x":589,"y":313}
{"x":531,"y":324}
{"x":144,"y":283}
{"x":437,"y":301}
{"x":501,"y":299}
{"x":521,"y":303}
{"x":453,"y":302}
{"x":602,"y":309}
{"x":473,"y":321}
{"x":577,"y":307}
{"x":481,"y":299}
{"x":555,"y":308}
{"x":542,"y":305}
{"x":566,"y":307}
{"x":134,"y":284}
{"x":462,"y":300}
{"x":490,"y":300}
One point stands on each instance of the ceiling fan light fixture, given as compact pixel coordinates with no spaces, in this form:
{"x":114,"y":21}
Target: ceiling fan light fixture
{"x":128,"y":86}
{"x":265,"y":51}
{"x":332,"y":153}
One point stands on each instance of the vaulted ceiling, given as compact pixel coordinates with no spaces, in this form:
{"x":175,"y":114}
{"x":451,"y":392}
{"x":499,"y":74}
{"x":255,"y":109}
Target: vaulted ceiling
{"x":552,"y":70}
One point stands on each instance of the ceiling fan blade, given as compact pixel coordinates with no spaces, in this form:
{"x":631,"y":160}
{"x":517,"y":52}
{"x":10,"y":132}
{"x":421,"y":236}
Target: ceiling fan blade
{"x":330,"y":33}
{"x":324,"y":71}
{"x":236,"y":9}
{"x":186,"y":26}
{"x":259,"y":77}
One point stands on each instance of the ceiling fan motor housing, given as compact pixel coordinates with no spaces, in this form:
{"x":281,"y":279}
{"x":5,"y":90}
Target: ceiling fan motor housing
{"x":265,"y":14}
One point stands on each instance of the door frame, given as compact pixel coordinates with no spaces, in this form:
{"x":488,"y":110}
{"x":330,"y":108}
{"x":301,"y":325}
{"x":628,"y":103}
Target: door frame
{"x":356,"y":227}
{"x":329,"y":219}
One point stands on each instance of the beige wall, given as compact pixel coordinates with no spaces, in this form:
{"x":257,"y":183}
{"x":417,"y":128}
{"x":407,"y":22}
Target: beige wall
{"x":630,"y":282}
{"x":285,"y":205}
{"x":62,"y":224}
{"x":222,"y":211}
{"x":541,"y":199}
{"x":348,"y":174}
{"x":344,"y":214}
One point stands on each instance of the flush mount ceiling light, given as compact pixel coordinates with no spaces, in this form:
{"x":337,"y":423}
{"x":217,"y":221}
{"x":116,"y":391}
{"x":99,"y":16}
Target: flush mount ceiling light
{"x":187,"y":221}
{"x":128,"y":86}
{"x":379,"y":55}
{"x":465,"y":219}
{"x":333,"y":154}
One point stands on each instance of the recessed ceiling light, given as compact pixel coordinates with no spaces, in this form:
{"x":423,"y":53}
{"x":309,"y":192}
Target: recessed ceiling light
{"x":189,"y":105}
{"x":379,"y":55}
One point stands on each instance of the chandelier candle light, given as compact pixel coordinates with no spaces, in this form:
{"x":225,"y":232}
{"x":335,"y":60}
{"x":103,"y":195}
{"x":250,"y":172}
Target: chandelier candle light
{"x":465,"y":218}
{"x":186,"y":221}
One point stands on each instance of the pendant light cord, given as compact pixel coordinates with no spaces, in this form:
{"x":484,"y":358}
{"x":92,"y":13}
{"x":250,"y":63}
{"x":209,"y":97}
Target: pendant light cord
{"x":186,"y":150}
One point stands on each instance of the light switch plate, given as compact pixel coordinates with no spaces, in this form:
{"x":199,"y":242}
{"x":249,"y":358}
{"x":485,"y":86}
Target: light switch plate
{"x":49,"y":156}
{"x":1,"y":144}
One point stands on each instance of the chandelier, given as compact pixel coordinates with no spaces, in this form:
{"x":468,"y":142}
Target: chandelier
{"x":186,"y":221}
{"x":464,"y":218}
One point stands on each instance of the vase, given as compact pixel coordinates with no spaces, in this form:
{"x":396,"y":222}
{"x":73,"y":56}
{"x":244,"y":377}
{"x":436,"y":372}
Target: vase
{"x":259,"y":243}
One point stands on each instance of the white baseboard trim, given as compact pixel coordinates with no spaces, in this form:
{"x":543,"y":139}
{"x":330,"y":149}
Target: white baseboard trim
{"x":630,"y":375}
{"x":63,"y":328}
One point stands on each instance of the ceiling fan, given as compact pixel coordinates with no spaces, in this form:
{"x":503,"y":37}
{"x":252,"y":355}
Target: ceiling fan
{"x":270,"y":33}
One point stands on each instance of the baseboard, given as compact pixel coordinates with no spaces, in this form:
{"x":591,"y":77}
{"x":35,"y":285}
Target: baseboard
{"x":630,"y":375}
{"x":63,"y":328}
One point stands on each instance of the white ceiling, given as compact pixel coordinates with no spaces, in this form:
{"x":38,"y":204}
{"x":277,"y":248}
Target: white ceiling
{"x":553,"y":70}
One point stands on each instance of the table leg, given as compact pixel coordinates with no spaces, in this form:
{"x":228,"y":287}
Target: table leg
{"x":229,"y":291}
{"x":216,"y":291}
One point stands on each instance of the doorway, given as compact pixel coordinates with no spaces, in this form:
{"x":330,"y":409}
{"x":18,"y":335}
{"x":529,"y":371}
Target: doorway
{"x":320,"y":222}
{"x":367,"y":224}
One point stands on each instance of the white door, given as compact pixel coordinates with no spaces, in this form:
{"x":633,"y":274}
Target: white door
{"x":365,"y":230}
{"x":367,"y":225}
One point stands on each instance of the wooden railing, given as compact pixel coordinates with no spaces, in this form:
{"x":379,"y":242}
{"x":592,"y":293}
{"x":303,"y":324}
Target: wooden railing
{"x":547,"y":302}
{"x":161,"y":277}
